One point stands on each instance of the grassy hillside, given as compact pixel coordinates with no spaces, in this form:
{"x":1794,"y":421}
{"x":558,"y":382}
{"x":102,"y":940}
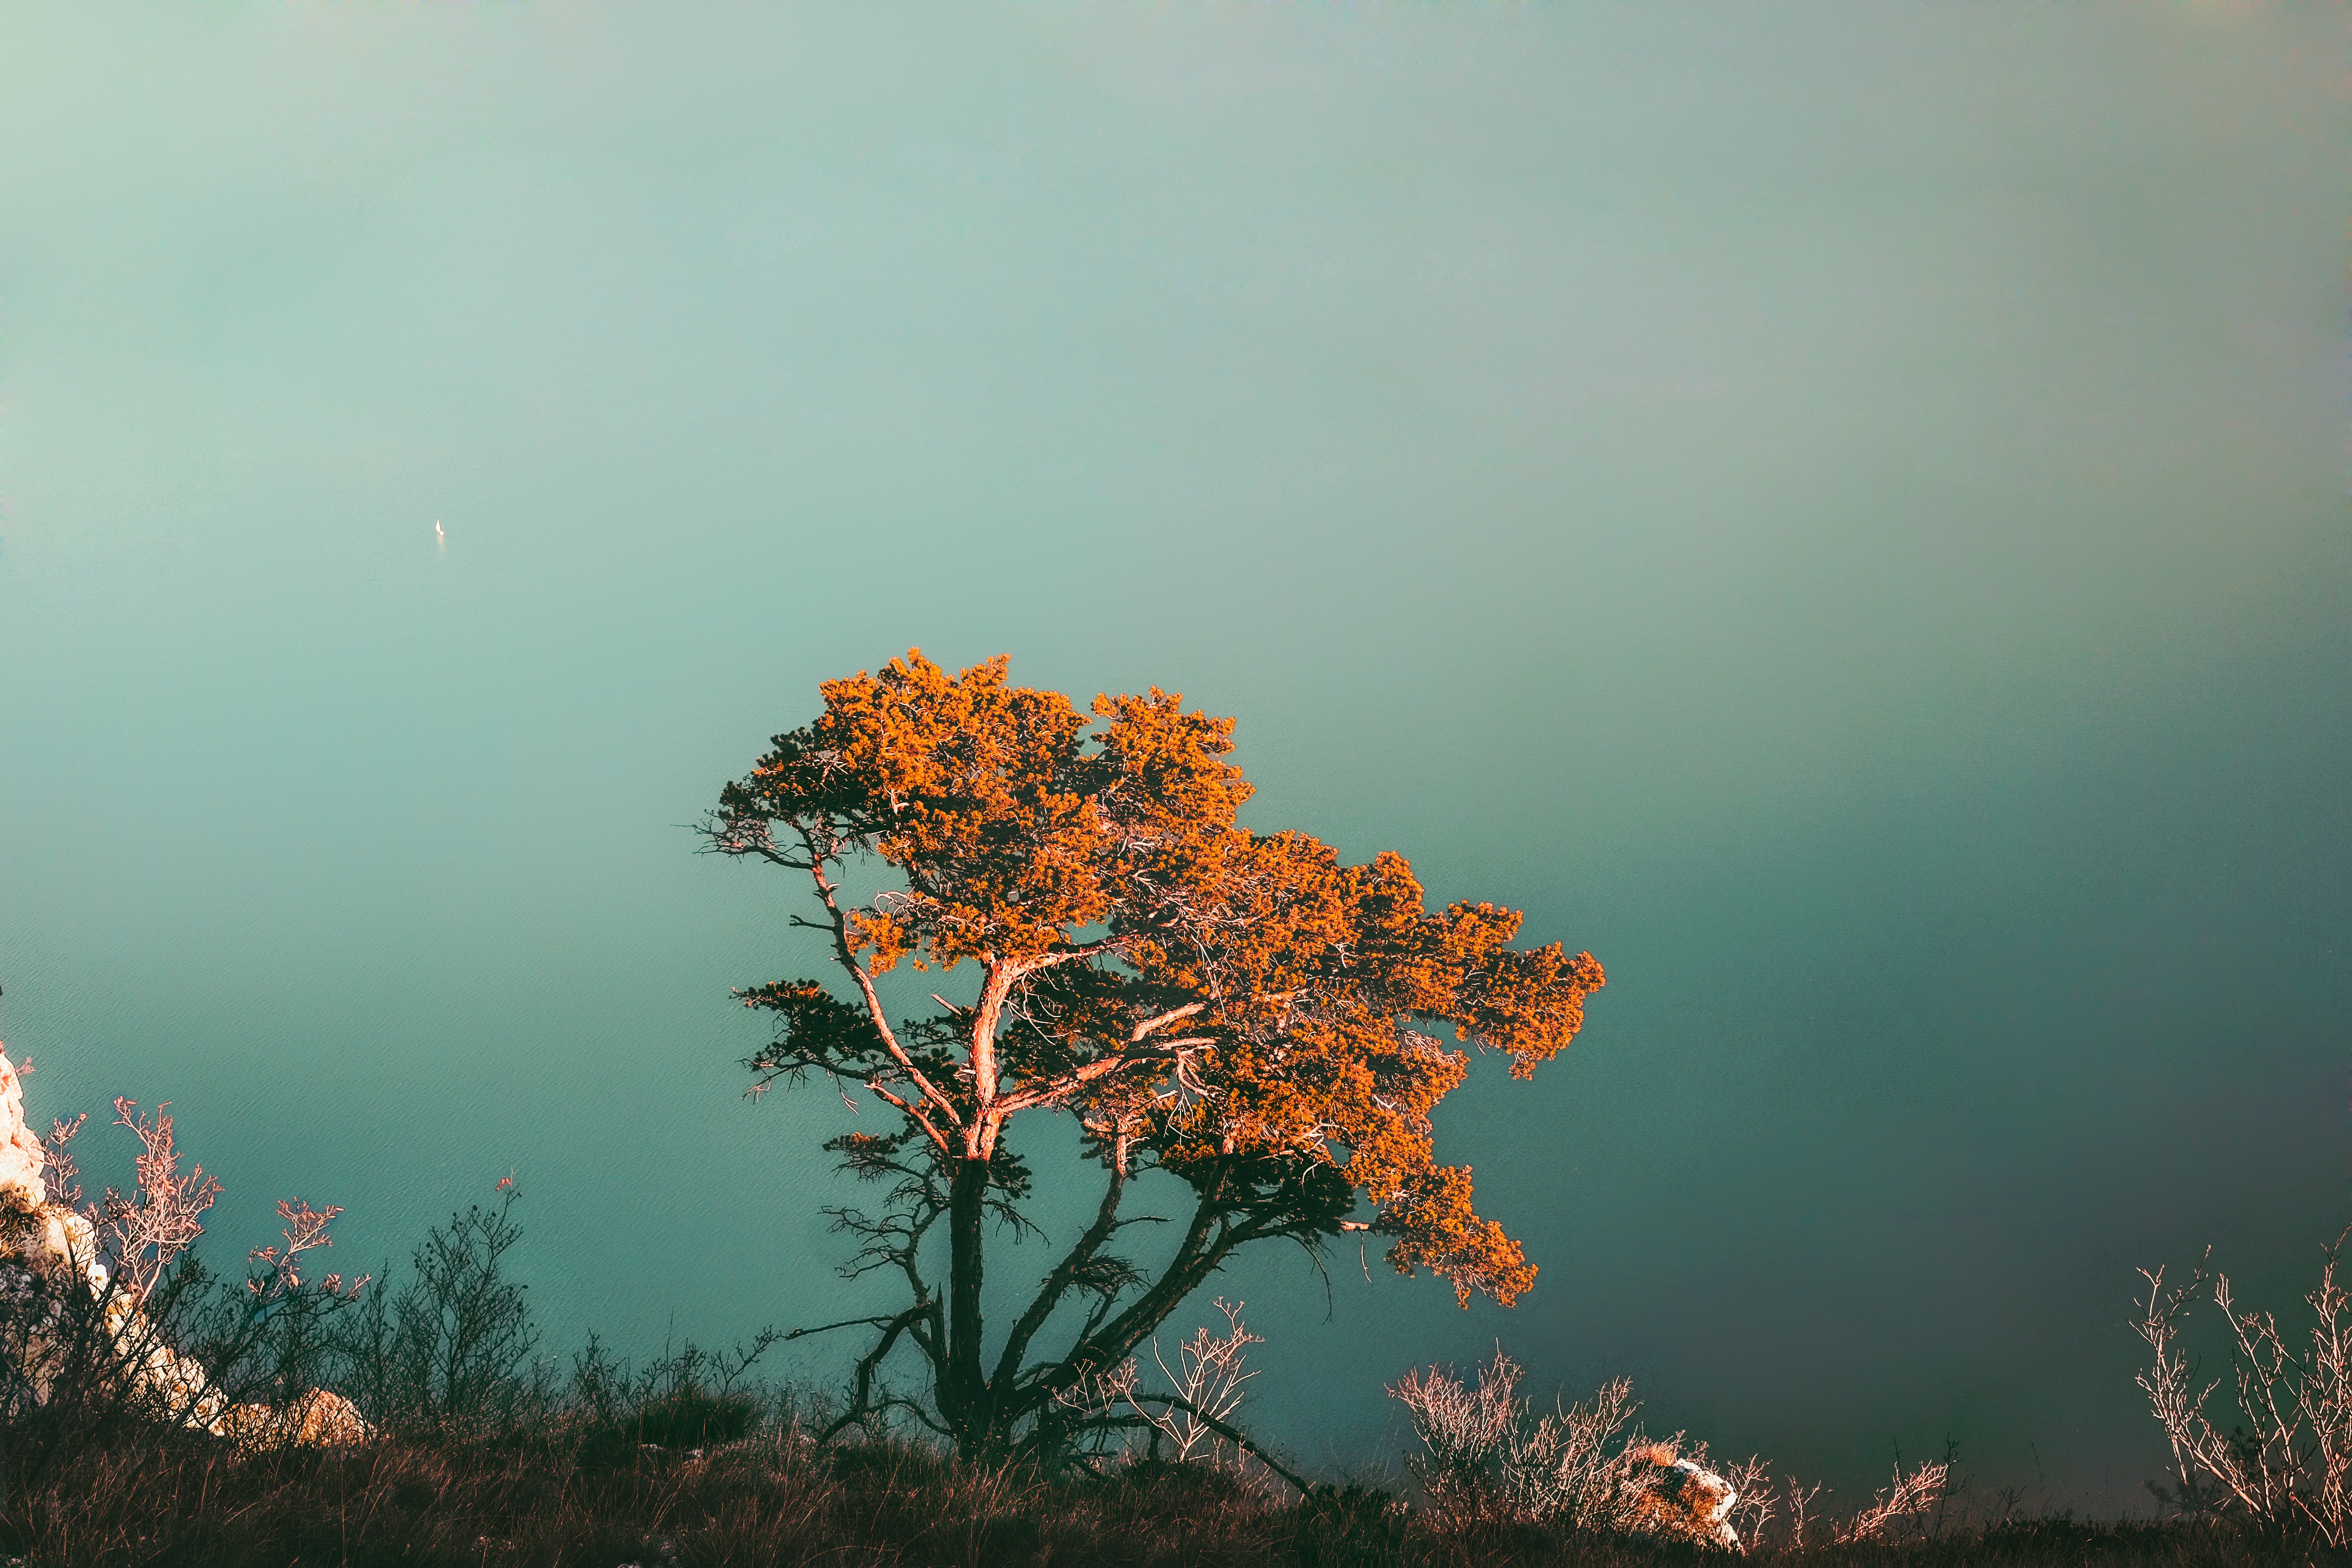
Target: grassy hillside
{"x":774,"y":1497}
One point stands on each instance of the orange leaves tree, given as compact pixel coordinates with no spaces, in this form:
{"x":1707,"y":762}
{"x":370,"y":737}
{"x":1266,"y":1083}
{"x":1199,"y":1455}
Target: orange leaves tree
{"x":1238,"y":1011}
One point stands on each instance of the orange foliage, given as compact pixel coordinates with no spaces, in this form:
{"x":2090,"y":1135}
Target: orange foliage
{"x":1239,"y":1009}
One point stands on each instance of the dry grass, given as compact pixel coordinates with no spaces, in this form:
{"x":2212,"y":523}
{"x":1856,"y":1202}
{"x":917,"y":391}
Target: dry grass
{"x":769,"y":1499}
{"x":484,"y":1459}
{"x":778,"y":1498}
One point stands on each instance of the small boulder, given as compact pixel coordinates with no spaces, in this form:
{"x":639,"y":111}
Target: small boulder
{"x":321,"y":1418}
{"x":1677,"y":1498}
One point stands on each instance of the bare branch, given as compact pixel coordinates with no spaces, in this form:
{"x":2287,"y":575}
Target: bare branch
{"x":827,"y":891}
{"x":162,"y":1214}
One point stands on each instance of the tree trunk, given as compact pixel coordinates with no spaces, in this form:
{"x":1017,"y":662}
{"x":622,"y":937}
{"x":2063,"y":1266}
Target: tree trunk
{"x":965,"y":1396}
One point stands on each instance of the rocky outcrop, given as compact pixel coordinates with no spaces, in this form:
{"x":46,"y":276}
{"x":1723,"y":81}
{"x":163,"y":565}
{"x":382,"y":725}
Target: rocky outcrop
{"x":49,"y":1241}
{"x":319,"y":1419}
{"x":1677,"y":1498}
{"x":49,"y":1255}
{"x":22,"y":1159}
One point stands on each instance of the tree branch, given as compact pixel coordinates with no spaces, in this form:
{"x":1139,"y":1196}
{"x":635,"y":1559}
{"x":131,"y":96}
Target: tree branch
{"x":1057,"y":1283}
{"x":1108,"y":1346}
{"x":862,"y":1401}
{"x":1223,"y":1429}
{"x":826,"y":889}
{"x":1078,"y":1078}
{"x":1147,"y":1025}
{"x":877,"y":1320}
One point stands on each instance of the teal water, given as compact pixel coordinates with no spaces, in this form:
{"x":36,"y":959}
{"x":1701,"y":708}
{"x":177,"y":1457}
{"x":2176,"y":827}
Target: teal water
{"x":1840,"y":513}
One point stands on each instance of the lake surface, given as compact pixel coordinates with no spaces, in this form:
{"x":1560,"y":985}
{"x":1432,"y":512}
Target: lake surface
{"x":1841,"y":515}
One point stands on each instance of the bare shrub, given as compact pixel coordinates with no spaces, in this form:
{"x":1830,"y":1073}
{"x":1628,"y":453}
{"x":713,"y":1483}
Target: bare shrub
{"x":271,"y":1341}
{"x":1758,"y":1501}
{"x":1103,"y":1412}
{"x":162,"y":1214}
{"x":690,"y":1400}
{"x":1488,"y":1456}
{"x":1910,"y":1494}
{"x":1208,"y":1389}
{"x":58,"y":1173}
{"x":447,"y":1355}
{"x":1777,"y":1513}
{"x":2288,"y":1465}
{"x":1489,"y":1459}
{"x":111,"y":1326}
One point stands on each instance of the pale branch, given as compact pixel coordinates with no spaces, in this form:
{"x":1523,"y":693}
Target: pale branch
{"x":773,"y":1063}
{"x":1172,"y":1016}
{"x":993,"y":1107}
{"x":827,"y":889}
{"x":978,"y":1138}
{"x":1068,"y":1084}
{"x":1063,"y":952}
{"x":911,"y":1113}
{"x":1231,"y":1433}
{"x":1065,"y":1085}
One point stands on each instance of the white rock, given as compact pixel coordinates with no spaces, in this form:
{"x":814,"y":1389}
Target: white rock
{"x":47,"y":1250}
{"x":1680,"y":1498}
{"x":21,"y":1157}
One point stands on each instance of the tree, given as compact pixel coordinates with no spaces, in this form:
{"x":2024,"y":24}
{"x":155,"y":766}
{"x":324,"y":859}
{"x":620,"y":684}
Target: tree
{"x":1238,"y":1011}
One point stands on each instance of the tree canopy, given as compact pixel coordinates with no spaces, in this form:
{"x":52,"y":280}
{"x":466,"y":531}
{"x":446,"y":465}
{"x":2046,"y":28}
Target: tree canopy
{"x":1238,"y":1010}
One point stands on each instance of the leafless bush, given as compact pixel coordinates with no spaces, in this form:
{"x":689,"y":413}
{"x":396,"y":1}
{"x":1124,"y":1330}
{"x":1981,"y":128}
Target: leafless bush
{"x":1911,"y":1493}
{"x":1489,"y":1459}
{"x":1759,"y":1500}
{"x":1488,"y":1456}
{"x":1209,"y":1386}
{"x":271,"y":1341}
{"x":1194,"y":1418}
{"x":162,"y":1214}
{"x":58,"y":1173}
{"x":2288,"y":1465}
{"x":1778,"y":1513}
{"x":449,"y":1353}
{"x":109,"y":1325}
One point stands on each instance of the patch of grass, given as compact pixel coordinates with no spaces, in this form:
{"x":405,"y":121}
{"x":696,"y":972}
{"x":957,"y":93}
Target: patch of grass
{"x":771,"y":1496}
